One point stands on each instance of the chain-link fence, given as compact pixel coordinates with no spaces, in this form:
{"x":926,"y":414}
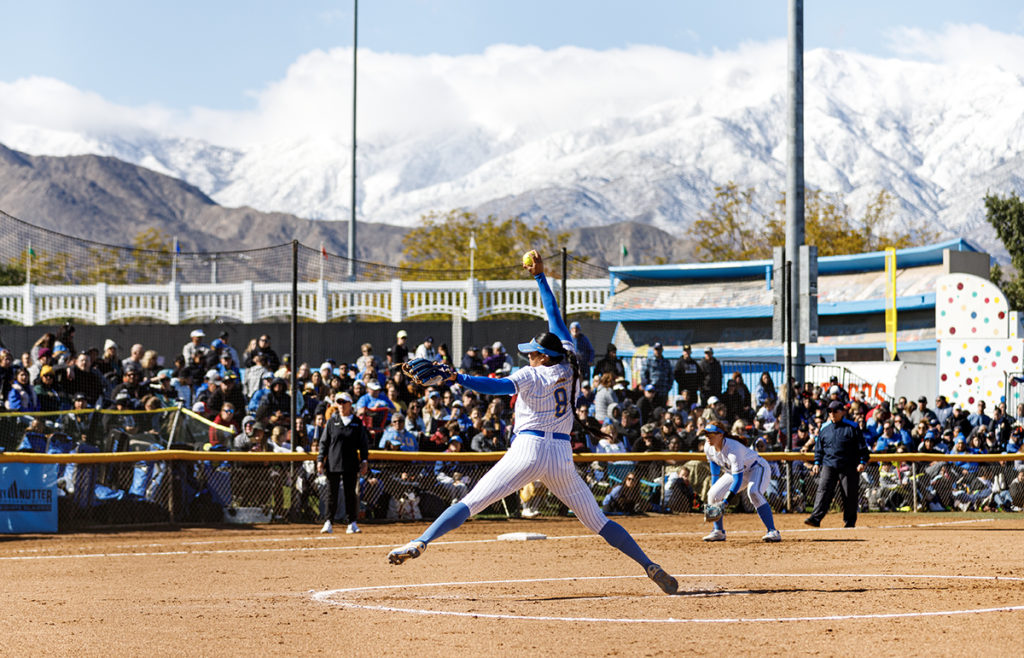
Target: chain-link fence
{"x":170,"y":465}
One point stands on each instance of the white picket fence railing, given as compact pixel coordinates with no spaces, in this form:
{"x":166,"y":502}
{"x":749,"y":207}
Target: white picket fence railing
{"x":320,"y":301}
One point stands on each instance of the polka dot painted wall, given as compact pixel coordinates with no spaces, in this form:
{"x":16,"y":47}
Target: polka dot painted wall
{"x":977,"y":347}
{"x":968,"y":306}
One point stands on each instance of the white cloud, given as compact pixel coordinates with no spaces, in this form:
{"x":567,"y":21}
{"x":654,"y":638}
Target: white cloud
{"x":961,"y":45}
{"x":505,"y":90}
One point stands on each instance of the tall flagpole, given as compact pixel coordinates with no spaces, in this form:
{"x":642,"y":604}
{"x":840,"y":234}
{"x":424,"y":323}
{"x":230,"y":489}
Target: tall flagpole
{"x":472,"y":251}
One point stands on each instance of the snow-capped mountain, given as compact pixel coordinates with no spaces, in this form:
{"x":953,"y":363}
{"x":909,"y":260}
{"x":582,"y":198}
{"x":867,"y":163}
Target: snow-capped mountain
{"x":938,"y":137}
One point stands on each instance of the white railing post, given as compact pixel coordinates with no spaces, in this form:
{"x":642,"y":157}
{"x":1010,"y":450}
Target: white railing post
{"x":321,"y":301}
{"x":248,"y":303}
{"x":29,"y":310}
{"x":174,"y":302}
{"x":397,"y":299}
{"x":472,"y":300}
{"x":101,"y":304}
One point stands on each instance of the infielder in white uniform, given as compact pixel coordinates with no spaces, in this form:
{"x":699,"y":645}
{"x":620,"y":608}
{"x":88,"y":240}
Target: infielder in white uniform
{"x":734,"y":466}
{"x":541,"y":450}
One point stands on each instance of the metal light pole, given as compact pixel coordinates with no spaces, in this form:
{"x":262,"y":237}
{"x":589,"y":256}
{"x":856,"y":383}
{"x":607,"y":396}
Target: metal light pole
{"x":795,"y":178}
{"x":352,"y":219}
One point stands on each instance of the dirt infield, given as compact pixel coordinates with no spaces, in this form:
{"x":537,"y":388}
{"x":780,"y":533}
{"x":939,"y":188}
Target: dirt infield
{"x":914,"y":584}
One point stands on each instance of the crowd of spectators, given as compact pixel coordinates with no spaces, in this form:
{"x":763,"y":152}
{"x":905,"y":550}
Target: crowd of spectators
{"x":247,"y":396}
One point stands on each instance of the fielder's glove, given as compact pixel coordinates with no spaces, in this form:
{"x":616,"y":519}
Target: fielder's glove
{"x":428,"y":373}
{"x":713,"y":512}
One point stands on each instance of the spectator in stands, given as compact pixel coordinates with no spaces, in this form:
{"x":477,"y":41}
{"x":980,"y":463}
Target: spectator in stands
{"x":444,"y":355}
{"x":426,"y":349}
{"x":400,"y":351}
{"x":687,"y":374}
{"x":921,"y":411}
{"x":80,"y":378}
{"x":472,"y":363}
{"x":1017,"y":492}
{"x":584,"y":349}
{"x":270,"y":359}
{"x":150,"y":364}
{"x":943,"y":410}
{"x":229,"y":390}
{"x":131,"y":381}
{"x":22,"y":396}
{"x":1000,"y":426}
{"x":397,"y":437}
{"x":658,"y":373}
{"x":711,"y":375}
{"x":624,"y":498}
{"x":604,"y":397}
{"x":733,"y":400}
{"x":109,"y":364}
{"x":134,"y":358}
{"x":47,"y":340}
{"x":254,"y":376}
{"x":366,"y":358}
{"x":612,"y":441}
{"x":7,"y":371}
{"x":275,"y":406}
{"x":46,"y":391}
{"x":66,"y":335}
{"x":979,"y":417}
{"x":227,"y":365}
{"x":160,"y":386}
{"x":610,"y":363}
{"x":195,"y":345}
{"x":764,"y":392}
{"x":226,"y":417}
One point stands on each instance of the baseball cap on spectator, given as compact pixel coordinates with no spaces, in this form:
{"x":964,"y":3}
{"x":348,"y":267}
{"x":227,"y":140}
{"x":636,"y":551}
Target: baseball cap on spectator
{"x":834,"y":379}
{"x":373,"y":386}
{"x":835,"y":404}
{"x":929,"y":436}
{"x":402,"y":333}
{"x":618,"y":386}
{"x":216,"y":344}
{"x":712,"y":400}
{"x":59,"y":347}
{"x":923,"y":399}
{"x":457,"y":403}
{"x":212,"y":374}
{"x":122,"y":396}
{"x":687,"y":348}
{"x":45,"y":370}
{"x":398,"y":415}
{"x":649,"y":387}
{"x":708,"y":350}
{"x":43,"y":351}
{"x":108,"y":343}
{"x":79,"y":396}
{"x":161,"y":375}
{"x":267,"y":375}
{"x":199,"y":407}
{"x":657,"y":346}
{"x":648,"y":428}
{"x":326,"y":365}
{"x":434,"y":394}
{"x":834,"y":390}
{"x":497,"y":346}
{"x":343,"y":397}
{"x":428,"y":339}
{"x":197,"y":333}
{"x":574,"y":324}
{"x":455,"y":439}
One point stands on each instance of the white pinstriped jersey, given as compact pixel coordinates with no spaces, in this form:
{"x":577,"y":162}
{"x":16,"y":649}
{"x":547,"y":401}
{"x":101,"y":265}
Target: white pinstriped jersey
{"x":544,"y":401}
{"x":734,"y":456}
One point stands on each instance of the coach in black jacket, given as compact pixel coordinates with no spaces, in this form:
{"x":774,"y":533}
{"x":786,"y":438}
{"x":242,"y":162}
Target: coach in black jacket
{"x":841,"y":455}
{"x":342,"y":457}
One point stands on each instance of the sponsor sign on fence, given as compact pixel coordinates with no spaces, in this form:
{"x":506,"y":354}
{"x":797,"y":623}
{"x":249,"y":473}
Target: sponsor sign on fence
{"x":28,"y":498}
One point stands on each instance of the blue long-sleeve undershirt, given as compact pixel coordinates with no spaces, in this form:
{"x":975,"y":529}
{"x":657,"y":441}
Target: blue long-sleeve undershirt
{"x":487,"y":385}
{"x":555,"y":323}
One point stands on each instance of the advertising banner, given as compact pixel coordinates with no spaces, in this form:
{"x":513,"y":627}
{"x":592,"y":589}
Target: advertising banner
{"x":28,"y":498}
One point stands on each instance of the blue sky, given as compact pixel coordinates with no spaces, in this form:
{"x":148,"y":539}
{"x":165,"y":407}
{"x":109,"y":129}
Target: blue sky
{"x":222,"y":54}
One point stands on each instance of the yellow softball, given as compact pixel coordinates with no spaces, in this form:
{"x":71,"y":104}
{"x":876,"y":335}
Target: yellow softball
{"x":528,"y":258}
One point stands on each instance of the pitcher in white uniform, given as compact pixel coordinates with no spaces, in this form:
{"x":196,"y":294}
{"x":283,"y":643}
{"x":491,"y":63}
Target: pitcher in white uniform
{"x":734,"y":466}
{"x":541,"y":450}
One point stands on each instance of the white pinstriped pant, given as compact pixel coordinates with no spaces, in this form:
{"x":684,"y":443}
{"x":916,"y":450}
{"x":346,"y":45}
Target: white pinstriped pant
{"x":755,"y":481}
{"x":534,"y":458}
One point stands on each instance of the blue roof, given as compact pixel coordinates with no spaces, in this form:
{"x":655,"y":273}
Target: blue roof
{"x":875,"y":260}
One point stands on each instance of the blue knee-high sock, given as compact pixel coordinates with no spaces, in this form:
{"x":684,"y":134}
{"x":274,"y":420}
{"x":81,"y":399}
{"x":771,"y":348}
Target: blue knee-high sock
{"x":719,"y":525}
{"x":449,"y":520}
{"x":765,"y":512}
{"x":617,"y":536}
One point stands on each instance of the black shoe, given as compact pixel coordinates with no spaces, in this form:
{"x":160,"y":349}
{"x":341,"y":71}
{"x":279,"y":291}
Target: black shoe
{"x":850,"y":525}
{"x":811,"y":522}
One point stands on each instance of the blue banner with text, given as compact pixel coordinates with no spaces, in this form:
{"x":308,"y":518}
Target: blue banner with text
{"x":28,"y":498}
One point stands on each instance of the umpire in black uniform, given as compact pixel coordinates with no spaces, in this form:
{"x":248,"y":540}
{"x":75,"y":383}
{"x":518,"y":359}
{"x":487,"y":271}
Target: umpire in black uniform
{"x":841,"y":455}
{"x":342,"y":457}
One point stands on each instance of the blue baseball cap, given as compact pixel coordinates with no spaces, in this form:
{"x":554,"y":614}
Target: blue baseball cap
{"x":711,"y":428}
